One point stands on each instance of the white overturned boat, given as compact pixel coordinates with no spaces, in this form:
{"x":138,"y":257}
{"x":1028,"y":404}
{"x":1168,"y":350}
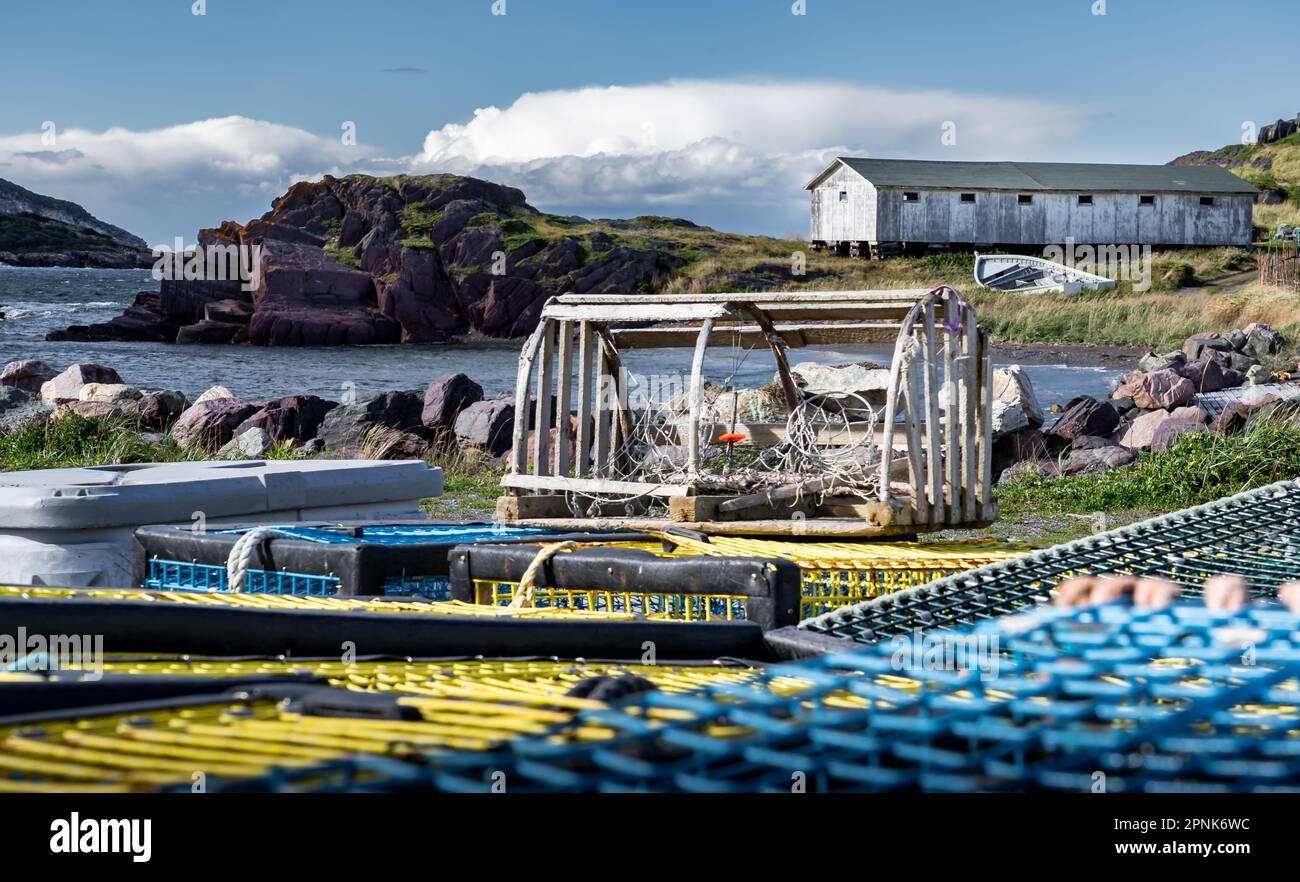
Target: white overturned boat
{"x":1020,"y":274}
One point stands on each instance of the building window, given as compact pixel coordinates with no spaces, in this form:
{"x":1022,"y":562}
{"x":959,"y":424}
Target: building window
{"x":1207,"y":200}
{"x":1085,"y":200}
{"x":911,"y":197}
{"x":1146,"y":200}
{"x":844,"y":195}
{"x":968,"y":197}
{"x":1025,"y":199}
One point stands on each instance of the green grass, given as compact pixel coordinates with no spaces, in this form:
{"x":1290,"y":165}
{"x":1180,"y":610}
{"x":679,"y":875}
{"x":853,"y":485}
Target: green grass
{"x":418,"y":222}
{"x":342,"y":255}
{"x":73,"y":441}
{"x":471,"y":496}
{"x":1197,"y":468}
{"x":1275,"y":165}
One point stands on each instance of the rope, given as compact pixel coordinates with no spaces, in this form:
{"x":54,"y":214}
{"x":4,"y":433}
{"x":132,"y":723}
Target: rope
{"x":241,"y":556}
{"x":956,"y":297}
{"x":524,"y":590}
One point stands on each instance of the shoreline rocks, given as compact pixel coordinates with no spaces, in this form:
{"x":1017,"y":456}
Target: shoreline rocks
{"x":1148,"y":411}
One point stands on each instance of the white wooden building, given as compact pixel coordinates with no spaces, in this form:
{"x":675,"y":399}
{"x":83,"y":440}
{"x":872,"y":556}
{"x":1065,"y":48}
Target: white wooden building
{"x":887,"y":205}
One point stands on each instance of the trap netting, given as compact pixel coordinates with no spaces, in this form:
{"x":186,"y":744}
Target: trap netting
{"x":749,"y":440}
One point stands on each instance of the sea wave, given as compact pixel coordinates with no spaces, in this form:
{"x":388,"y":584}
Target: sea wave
{"x":45,"y":310}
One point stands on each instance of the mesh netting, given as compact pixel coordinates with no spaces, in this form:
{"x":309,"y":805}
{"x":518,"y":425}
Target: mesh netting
{"x":1255,"y":535}
{"x":824,"y":444}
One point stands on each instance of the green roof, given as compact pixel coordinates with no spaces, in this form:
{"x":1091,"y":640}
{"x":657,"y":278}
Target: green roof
{"x":1039,"y":176}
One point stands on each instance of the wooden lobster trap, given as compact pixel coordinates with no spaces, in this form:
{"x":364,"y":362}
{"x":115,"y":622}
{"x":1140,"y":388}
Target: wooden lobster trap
{"x":915,"y":455}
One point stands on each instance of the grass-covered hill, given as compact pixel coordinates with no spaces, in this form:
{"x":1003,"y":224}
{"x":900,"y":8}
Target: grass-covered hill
{"x":1273,"y":167}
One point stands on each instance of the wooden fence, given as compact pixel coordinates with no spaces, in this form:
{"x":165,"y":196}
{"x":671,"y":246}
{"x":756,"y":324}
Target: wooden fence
{"x":1280,"y":267}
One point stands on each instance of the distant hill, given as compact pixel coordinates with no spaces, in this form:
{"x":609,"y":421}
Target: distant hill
{"x":37,"y":230}
{"x":1274,"y":167}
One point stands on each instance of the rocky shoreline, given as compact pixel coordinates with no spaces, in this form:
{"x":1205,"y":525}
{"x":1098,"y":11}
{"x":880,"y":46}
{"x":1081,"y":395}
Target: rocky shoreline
{"x":450,"y":411}
{"x":1150,"y":408}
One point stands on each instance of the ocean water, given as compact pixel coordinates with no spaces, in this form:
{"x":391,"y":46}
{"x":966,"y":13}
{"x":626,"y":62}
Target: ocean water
{"x":36,"y":301}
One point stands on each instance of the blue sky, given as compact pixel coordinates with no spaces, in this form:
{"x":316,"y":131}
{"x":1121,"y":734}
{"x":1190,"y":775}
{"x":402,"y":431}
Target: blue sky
{"x":166,"y":121}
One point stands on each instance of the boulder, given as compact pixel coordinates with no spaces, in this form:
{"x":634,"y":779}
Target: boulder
{"x":158,"y":410}
{"x":447,"y":396}
{"x":487,"y":425}
{"x":1208,"y":340}
{"x":1159,"y":428}
{"x":1239,"y":362}
{"x":295,"y":418}
{"x":29,"y":375}
{"x":1205,"y":375}
{"x":1154,"y":362}
{"x":110,"y":392}
{"x":250,"y":443}
{"x":1257,"y":375}
{"x":1083,"y":416}
{"x":1162,"y":390}
{"x":1017,"y":447}
{"x":67,"y":385}
{"x":1233,"y":378}
{"x":214,"y":392}
{"x":1263,"y":339}
{"x":1015,"y":406}
{"x":1094,"y":460}
{"x":1182,"y":420}
{"x":210,"y":424}
{"x":1122,"y":405}
{"x":1040,"y":467}
{"x":765,"y":405}
{"x":351,"y":428}
{"x":867,"y":380}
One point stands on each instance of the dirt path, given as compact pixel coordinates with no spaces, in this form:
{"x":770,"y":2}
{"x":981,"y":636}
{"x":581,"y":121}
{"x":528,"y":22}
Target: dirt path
{"x":1224,"y":284}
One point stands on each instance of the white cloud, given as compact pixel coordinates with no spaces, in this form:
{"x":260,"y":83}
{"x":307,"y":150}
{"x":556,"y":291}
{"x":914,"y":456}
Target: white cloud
{"x":723,"y":151}
{"x":729,"y":153}
{"x":169,"y":182}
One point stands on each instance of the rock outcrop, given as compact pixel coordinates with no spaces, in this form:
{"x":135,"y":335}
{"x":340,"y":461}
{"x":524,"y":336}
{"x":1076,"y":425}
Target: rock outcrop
{"x":412,"y":259}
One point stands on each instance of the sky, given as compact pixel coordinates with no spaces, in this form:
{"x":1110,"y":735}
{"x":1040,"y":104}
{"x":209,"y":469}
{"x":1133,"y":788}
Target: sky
{"x":162,"y":120}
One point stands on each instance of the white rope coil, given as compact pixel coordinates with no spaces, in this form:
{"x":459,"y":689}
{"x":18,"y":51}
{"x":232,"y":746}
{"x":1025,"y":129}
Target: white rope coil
{"x":241,"y":556}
